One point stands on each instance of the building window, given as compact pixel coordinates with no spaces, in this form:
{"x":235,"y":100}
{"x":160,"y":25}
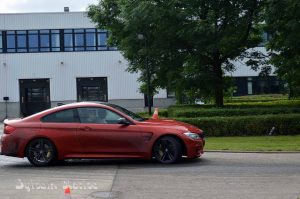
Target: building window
{"x":265,"y":39}
{"x":102,"y":39}
{"x":79,"y":39}
{"x":11,"y":41}
{"x":250,"y":86}
{"x":68,"y":40}
{"x":1,"y":43}
{"x":170,"y":93}
{"x":85,"y":40}
{"x":90,"y":39}
{"x":44,"y":40}
{"x":33,"y":41}
{"x":55,"y":40}
{"x":21,"y":41}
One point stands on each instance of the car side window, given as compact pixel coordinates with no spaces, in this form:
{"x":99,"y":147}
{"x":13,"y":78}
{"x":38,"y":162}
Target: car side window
{"x":64,"y":116}
{"x":98,"y":116}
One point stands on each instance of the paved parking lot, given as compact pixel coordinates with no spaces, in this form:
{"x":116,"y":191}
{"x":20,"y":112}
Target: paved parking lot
{"x":215,"y":175}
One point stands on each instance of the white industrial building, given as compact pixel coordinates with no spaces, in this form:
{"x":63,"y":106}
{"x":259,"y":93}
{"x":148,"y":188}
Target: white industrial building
{"x":46,"y":58}
{"x":50,"y":58}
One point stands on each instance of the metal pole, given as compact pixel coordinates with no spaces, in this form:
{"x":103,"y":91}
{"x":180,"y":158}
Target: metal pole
{"x":6,"y":115}
{"x":148,"y":87}
{"x":148,"y":81}
{"x":142,"y":37}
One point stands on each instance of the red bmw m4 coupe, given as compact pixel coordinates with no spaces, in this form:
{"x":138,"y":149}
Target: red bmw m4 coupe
{"x":98,"y":130}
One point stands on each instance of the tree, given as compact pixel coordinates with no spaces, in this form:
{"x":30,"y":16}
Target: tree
{"x":282,"y":23}
{"x":189,"y":42}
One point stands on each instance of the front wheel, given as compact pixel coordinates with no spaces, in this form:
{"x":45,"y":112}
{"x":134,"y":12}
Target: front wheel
{"x":41,"y":152}
{"x":167,"y":150}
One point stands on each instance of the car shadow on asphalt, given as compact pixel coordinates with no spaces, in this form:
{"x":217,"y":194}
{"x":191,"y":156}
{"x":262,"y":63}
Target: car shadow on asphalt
{"x":121,"y":163}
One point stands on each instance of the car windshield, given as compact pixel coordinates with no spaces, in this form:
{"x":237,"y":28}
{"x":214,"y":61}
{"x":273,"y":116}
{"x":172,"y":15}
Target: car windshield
{"x":134,"y":116}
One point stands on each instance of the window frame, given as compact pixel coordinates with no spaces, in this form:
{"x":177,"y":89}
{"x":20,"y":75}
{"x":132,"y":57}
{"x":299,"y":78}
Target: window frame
{"x":1,"y":41}
{"x":42,"y":119}
{"x":11,"y":33}
{"x":92,"y":33}
{"x":107,"y":109}
{"x":47,"y":35}
{"x":19,"y":34}
{"x":91,"y":40}
{"x":33,"y":49}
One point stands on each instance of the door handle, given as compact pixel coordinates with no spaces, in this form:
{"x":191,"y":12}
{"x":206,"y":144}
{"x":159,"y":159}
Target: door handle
{"x":85,"y":128}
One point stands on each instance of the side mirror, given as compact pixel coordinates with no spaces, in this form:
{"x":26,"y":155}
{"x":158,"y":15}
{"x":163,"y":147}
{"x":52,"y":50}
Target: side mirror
{"x":124,"y":121}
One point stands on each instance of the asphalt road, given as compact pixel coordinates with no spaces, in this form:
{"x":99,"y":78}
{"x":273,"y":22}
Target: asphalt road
{"x":215,"y":175}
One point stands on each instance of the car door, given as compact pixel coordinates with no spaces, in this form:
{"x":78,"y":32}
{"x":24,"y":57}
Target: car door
{"x":101,"y":135}
{"x":61,"y":127}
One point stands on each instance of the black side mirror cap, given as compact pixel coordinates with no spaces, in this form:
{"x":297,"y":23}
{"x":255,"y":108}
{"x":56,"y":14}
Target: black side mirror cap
{"x":124,"y":121}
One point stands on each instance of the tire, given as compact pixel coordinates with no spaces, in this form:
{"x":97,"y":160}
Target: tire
{"x":167,"y":150}
{"x":41,"y":152}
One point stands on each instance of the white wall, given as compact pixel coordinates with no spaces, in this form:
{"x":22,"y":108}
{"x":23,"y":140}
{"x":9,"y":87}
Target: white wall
{"x":62,"y":68}
{"x":61,"y":20}
{"x":242,"y":70}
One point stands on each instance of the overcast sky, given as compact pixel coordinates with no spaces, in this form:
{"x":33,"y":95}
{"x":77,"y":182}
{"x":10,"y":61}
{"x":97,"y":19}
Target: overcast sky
{"x":17,"y":6}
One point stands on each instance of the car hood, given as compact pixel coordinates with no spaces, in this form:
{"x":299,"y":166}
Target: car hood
{"x":167,"y":123}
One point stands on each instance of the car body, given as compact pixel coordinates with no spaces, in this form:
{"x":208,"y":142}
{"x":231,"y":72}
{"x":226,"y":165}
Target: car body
{"x":78,"y":130}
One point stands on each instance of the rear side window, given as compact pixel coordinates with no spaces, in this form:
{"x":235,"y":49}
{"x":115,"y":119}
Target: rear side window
{"x":65,"y":116}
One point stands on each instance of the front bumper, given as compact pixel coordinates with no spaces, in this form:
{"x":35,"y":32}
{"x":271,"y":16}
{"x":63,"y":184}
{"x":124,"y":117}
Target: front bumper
{"x":195,"y":148}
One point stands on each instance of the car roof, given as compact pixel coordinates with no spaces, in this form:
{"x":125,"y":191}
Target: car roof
{"x":67,"y":106}
{"x":85,"y":103}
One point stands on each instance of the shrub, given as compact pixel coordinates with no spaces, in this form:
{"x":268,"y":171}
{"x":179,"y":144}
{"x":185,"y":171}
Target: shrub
{"x":257,"y":98}
{"x":203,"y":112}
{"x":249,"y":104}
{"x":277,"y":103}
{"x":285,"y":124}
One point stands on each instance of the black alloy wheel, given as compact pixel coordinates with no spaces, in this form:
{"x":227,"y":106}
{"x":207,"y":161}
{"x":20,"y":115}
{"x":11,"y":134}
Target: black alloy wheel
{"x":41,"y":152}
{"x":167,"y":150}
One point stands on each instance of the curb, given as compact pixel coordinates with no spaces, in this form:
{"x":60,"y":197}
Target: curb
{"x":267,"y":152}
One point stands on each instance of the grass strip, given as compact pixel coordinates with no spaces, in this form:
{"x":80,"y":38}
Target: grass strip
{"x":254,"y":143}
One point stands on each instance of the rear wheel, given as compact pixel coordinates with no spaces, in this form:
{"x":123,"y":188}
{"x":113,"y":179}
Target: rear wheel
{"x":167,"y":150}
{"x":41,"y":152}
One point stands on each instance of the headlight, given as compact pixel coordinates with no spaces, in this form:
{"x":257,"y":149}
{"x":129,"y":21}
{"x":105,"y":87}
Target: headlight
{"x":193,"y":136}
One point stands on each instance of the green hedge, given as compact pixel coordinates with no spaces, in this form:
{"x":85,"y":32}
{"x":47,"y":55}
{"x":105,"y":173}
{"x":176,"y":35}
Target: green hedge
{"x":256,"y":98}
{"x":258,"y":104}
{"x":277,"y":103}
{"x":285,"y":124}
{"x":213,"y":112}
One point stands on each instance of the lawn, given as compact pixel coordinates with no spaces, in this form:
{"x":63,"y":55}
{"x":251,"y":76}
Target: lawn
{"x":254,"y":143}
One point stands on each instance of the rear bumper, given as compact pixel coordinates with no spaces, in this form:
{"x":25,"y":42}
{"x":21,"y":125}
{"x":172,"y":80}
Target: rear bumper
{"x":8,"y":146}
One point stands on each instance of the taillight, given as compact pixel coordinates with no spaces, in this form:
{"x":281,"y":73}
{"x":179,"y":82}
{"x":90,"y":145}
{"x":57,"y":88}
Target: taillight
{"x":8,"y":129}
